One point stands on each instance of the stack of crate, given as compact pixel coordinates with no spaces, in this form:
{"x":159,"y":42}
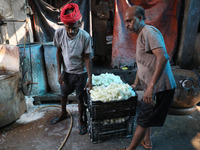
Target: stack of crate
{"x":108,"y":120}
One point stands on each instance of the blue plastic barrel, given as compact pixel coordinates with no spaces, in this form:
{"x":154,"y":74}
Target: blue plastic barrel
{"x":37,"y":64}
{"x":51,"y":67}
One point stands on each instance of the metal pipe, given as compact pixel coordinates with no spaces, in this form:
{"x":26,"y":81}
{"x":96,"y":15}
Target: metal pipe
{"x":11,"y":20}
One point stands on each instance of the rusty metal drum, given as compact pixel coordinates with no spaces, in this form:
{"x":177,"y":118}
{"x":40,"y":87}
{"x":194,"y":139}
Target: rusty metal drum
{"x":187,"y":93}
{"x":12,"y":101}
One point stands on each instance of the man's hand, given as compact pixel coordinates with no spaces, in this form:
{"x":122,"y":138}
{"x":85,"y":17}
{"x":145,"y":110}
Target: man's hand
{"x":89,"y":84}
{"x":134,"y":86}
{"x":148,"y":96}
{"x":60,"y":79}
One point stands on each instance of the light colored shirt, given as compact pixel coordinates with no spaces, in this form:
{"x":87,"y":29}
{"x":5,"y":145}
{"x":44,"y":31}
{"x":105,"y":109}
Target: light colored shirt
{"x":73,"y":50}
{"x":149,"y":39}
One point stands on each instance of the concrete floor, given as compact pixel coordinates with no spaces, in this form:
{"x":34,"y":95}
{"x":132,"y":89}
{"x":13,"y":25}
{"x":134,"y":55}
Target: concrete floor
{"x":33,"y":131}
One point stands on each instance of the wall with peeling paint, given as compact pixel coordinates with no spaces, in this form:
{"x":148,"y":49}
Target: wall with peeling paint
{"x":14,"y":31}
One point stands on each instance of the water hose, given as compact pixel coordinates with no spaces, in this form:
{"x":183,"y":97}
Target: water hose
{"x":71,"y":124}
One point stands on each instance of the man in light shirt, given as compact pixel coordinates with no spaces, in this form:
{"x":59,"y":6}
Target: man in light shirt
{"x":74,"y":53}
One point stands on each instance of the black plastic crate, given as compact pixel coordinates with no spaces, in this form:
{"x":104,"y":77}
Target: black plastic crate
{"x":100,"y":132}
{"x":115,"y":109}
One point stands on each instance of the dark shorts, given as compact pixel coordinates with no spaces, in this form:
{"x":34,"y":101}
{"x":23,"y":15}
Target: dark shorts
{"x":154,"y":116}
{"x":73,"y":82}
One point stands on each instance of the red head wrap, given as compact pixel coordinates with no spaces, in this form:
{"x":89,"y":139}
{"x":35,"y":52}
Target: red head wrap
{"x":71,"y":17}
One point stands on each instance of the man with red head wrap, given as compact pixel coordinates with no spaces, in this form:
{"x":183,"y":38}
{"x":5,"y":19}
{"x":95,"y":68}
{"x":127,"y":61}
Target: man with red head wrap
{"x":73,"y":52}
{"x":72,"y":17}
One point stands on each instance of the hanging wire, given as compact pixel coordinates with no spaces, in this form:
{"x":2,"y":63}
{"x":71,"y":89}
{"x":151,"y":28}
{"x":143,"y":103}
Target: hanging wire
{"x":26,"y":73}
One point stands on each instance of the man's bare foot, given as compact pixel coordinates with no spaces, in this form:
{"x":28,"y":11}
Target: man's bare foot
{"x":58,"y":118}
{"x":146,"y":144}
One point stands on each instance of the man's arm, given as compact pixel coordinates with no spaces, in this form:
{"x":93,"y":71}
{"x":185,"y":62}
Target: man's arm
{"x":136,"y":82}
{"x":59,"y":62}
{"x":88,"y":68}
{"x":161,"y":60}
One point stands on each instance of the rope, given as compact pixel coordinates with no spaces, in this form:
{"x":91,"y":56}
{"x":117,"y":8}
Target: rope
{"x":27,"y":29}
{"x":71,"y":124}
{"x":30,"y":54}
